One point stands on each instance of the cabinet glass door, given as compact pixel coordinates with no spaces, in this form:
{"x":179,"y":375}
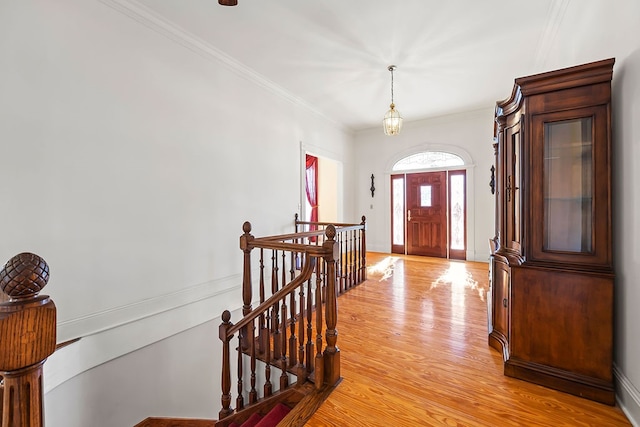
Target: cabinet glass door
{"x":570,"y":190}
{"x":568,"y":185}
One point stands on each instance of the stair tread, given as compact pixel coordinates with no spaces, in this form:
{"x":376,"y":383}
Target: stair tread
{"x":274,"y":416}
{"x":252,"y":421}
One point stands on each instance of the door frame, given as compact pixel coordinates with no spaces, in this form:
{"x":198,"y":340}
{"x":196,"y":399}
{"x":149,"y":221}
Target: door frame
{"x":334,"y":191}
{"x":472,"y":253}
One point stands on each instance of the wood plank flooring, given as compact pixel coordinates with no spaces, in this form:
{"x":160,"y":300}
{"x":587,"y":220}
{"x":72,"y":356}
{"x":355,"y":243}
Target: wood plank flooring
{"x":414,"y":352}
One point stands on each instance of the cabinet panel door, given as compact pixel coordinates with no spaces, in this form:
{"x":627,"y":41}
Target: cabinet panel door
{"x":563,"y":320}
{"x":501,"y":298}
{"x":512,"y":180}
{"x":570,"y":187}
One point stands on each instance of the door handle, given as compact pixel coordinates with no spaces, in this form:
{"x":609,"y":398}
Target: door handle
{"x":409,"y":215}
{"x":510,"y":189}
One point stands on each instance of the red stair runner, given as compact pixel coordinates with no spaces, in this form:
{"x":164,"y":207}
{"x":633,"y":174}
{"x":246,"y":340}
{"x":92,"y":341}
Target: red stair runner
{"x":270,"y":420}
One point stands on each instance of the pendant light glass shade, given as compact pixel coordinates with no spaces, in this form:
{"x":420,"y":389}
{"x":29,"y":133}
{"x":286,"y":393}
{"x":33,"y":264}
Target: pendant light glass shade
{"x":392,"y":121}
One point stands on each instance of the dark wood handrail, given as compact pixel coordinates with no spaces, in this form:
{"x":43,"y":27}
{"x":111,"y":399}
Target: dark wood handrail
{"x":313,"y":250}
{"x":302,"y":234}
{"x":335,"y":224}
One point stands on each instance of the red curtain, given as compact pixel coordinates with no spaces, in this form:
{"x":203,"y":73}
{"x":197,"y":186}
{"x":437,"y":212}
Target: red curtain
{"x":312,"y":188}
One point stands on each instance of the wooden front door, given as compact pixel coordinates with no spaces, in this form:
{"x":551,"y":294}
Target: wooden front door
{"x":427,"y":214}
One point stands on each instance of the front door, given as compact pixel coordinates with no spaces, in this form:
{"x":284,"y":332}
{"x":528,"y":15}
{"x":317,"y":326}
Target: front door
{"x":427,"y":214}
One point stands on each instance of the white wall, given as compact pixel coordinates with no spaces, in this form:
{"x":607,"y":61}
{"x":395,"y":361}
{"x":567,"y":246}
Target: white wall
{"x":130,"y":158}
{"x":626,"y":205}
{"x":618,"y":36}
{"x":470,"y":133}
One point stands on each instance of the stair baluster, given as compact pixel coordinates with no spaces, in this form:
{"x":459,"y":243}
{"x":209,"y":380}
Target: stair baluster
{"x":319,"y":362}
{"x":342,"y":242}
{"x":293,"y":340}
{"x":309,"y":313}
{"x":253,"y":393}
{"x":300,"y":371}
{"x":363,"y":250}
{"x":268,"y":387}
{"x":226,"y":366}
{"x":240,"y":398}
{"x":261,"y":325}
{"x":277,"y":341}
{"x":284,"y":378}
{"x":352,"y":283}
{"x":284,"y":268}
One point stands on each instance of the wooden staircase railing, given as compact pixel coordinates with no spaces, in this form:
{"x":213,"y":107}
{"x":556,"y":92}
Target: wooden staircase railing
{"x":27,"y":339}
{"x":297,"y":292}
{"x":352,"y":243}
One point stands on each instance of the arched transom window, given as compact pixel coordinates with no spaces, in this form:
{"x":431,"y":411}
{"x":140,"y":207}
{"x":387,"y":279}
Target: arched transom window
{"x":428,"y":160}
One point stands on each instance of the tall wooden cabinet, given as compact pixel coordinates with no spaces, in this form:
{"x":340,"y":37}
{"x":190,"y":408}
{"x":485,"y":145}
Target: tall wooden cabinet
{"x":551,"y":274}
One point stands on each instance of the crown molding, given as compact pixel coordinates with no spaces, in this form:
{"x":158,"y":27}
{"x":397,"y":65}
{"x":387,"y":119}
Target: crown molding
{"x":145,"y":16}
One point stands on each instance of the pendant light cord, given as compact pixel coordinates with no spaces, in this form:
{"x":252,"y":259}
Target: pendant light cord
{"x":391,"y":68}
{"x":392,"y":85}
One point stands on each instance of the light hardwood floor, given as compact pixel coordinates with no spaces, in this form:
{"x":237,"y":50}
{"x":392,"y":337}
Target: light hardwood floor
{"x":414,"y":352}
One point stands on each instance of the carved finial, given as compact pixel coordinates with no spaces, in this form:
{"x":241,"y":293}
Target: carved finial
{"x":24,"y":276}
{"x":296,"y":217}
{"x":330,"y":232}
{"x":364,"y":219}
{"x":246,"y":227}
{"x":226,"y":316}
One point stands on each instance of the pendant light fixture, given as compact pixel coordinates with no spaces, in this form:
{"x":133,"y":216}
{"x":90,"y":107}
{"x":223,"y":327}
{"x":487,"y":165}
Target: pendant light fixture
{"x":392,"y":121}
{"x":228,"y":2}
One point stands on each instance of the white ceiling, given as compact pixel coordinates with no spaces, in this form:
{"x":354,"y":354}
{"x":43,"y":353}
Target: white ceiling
{"x":452,"y":56}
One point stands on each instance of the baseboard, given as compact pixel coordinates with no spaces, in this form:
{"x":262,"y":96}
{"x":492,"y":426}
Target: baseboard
{"x":478,"y":256}
{"x":627,"y":397}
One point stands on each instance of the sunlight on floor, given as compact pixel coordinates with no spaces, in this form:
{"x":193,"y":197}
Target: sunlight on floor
{"x":458,"y":278}
{"x":384,"y":267}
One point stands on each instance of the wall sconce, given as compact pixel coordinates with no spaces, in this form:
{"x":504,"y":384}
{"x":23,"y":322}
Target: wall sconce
{"x":373,"y":188}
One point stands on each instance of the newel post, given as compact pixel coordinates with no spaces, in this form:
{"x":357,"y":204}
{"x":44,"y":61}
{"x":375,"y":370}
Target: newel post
{"x":27,"y":337}
{"x":247,"y":291}
{"x":331,"y":352}
{"x":363,"y":248}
